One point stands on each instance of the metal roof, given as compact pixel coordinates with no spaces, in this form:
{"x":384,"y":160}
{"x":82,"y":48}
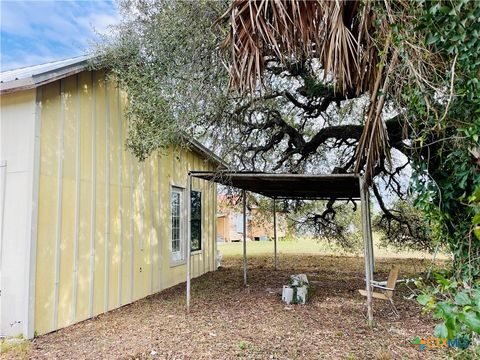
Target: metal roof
{"x":202,"y":150}
{"x":289,"y":186}
{"x":32,"y":76}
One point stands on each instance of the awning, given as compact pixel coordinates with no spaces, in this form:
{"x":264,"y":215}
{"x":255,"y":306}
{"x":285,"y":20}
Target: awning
{"x":289,"y":186}
{"x":294,"y":186}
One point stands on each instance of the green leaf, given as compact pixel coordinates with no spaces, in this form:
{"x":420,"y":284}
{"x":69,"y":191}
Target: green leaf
{"x":441,"y":331}
{"x":432,"y":39}
{"x":442,"y":280}
{"x":476,"y":219}
{"x":462,"y":298}
{"x":476,"y":231}
{"x":476,"y":298}
{"x":423,"y":299}
{"x":475,"y":196}
{"x":472,"y":320}
{"x":447,"y":313}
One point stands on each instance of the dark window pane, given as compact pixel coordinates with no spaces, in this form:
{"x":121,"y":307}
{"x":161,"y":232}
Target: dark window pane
{"x":196,"y":220}
{"x":196,"y":235}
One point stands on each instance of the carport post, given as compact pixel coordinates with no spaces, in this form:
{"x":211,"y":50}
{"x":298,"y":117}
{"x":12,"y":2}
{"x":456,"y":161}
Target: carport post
{"x":244,"y":199}
{"x":369,"y":232}
{"x":189,"y":229}
{"x":275,"y":230}
{"x":367,"y":251}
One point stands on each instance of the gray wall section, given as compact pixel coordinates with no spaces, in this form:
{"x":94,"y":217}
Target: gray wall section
{"x":17,"y":148}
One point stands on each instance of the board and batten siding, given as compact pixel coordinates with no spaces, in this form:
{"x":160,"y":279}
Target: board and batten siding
{"x":103,"y":237}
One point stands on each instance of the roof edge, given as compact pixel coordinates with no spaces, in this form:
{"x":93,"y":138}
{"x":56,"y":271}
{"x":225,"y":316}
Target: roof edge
{"x":201,"y":149}
{"x":42,"y":74}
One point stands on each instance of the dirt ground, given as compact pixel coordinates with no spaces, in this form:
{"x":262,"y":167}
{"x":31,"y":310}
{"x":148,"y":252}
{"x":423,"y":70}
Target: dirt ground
{"x":229,"y":321}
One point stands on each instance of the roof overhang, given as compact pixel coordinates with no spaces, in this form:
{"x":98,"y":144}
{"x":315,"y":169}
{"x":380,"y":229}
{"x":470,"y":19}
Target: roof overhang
{"x":289,"y":186}
{"x":205,"y":152}
{"x":33,"y":76}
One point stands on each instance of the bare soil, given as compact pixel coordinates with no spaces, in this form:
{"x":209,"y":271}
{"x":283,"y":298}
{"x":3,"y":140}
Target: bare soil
{"x":229,"y":321}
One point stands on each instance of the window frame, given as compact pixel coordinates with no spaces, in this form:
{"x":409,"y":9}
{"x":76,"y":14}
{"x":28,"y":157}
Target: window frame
{"x":178,"y":257}
{"x":200,"y":220}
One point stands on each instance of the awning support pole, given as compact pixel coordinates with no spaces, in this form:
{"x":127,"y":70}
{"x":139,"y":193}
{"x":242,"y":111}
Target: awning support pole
{"x":275,"y":230}
{"x":367,"y":250}
{"x":369,"y":233}
{"x":244,"y":198}
{"x":189,"y":230}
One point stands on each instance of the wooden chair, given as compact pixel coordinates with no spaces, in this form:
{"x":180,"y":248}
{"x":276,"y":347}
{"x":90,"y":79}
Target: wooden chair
{"x":387,"y":288}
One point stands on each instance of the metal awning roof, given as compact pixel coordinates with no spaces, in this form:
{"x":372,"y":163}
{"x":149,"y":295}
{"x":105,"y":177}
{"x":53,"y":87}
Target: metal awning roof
{"x":289,"y":186}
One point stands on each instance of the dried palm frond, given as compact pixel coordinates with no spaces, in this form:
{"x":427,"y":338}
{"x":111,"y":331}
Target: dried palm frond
{"x":291,"y":30}
{"x":338,"y":33}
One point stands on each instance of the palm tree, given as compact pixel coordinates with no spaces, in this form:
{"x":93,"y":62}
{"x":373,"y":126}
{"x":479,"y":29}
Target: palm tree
{"x":338,"y":33}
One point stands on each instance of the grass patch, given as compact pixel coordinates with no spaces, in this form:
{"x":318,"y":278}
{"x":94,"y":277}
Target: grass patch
{"x":316,"y":247}
{"x":14,"y":345}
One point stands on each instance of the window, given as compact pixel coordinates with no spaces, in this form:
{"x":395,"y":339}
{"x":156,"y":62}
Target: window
{"x":177,"y":228}
{"x":196,"y":221}
{"x":239,"y":223}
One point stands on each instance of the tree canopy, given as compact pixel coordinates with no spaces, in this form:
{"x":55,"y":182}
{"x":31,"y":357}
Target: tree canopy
{"x":389,"y":89}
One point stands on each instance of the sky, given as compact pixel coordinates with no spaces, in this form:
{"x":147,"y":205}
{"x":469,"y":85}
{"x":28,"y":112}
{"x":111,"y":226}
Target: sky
{"x":35,"y":32}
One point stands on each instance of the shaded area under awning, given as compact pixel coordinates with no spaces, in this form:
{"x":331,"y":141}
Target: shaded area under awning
{"x":289,"y":186}
{"x":294,"y":186}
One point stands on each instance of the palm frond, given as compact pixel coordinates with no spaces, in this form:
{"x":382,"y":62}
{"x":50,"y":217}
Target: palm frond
{"x":339,"y":33}
{"x":291,"y":30}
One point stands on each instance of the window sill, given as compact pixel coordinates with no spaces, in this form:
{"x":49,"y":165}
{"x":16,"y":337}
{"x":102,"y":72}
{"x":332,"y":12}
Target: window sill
{"x":184,"y":262}
{"x":177,"y":263}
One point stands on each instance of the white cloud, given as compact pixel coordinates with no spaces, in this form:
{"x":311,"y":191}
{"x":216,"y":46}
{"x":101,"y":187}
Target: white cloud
{"x":100,"y":22}
{"x":40,"y":31}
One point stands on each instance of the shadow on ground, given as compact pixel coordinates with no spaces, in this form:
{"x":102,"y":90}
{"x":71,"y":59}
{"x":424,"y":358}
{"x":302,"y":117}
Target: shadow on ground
{"x":229,"y":321}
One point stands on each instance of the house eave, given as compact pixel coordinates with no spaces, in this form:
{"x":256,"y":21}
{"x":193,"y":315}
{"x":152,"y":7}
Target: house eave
{"x":41,"y":76}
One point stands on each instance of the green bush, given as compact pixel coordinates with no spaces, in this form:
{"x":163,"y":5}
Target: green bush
{"x":455,"y":304}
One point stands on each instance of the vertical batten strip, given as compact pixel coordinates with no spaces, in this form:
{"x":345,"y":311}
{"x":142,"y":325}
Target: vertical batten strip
{"x":120,"y":185}
{"x":59,"y":205}
{"x":107,"y":196}
{"x":77,"y":203}
{"x":211,"y":216}
{"x":132,"y":227}
{"x":211,"y":209}
{"x":94,"y":195}
{"x":34,"y":224}
{"x":142,"y":208}
{"x":152,"y":225}
{"x":205,"y":216}
{"x":214,"y":215}
{"x":208,"y":211}
{"x":189,"y":229}
{"x":159,"y":181}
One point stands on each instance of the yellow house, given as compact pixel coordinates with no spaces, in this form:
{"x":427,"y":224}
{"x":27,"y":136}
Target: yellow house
{"x":85,"y":227}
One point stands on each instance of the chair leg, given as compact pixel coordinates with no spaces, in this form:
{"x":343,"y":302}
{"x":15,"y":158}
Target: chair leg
{"x":395,"y":312}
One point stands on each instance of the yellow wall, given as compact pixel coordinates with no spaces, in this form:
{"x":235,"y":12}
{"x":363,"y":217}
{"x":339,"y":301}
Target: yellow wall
{"x":104,"y":218}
